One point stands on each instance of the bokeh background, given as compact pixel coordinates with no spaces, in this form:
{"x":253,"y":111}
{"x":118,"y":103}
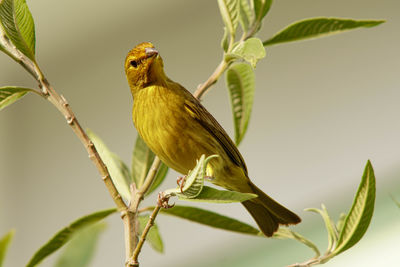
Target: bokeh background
{"x":322,"y":109}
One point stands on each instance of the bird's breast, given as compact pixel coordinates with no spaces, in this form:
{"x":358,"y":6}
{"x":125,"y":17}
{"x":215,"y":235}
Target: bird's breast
{"x":168,"y":130}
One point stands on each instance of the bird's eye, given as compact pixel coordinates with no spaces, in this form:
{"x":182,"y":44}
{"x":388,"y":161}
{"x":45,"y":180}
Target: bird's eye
{"x":134,"y":63}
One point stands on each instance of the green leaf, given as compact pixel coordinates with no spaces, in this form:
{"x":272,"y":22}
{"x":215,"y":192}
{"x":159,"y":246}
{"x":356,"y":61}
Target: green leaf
{"x":286,"y":233}
{"x":245,"y":15}
{"x":160,"y":176}
{"x":117,"y":169}
{"x":4,"y":243}
{"x":153,"y":237}
{"x":230,"y":14}
{"x":261,"y":8}
{"x":142,"y":159}
{"x":194,"y":181}
{"x":212,"y":195}
{"x":317,"y":27}
{"x":80,"y":250}
{"x":360,"y":215}
{"x":10,"y":94}
{"x":65,"y":234}
{"x":250,"y":50}
{"x":340,"y":222}
{"x":210,"y":218}
{"x":240,"y":81}
{"x":18,"y":25}
{"x":225,"y":40}
{"x":329,"y":225}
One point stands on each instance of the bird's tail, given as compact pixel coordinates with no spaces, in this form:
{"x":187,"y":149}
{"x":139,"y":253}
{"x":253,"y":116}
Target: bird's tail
{"x":268,"y":213}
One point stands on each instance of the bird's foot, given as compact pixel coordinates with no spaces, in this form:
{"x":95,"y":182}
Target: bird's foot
{"x":162,"y":201}
{"x":181,"y":182}
{"x":209,"y":178}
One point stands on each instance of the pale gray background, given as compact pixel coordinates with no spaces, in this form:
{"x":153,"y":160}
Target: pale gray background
{"x":322,"y":108}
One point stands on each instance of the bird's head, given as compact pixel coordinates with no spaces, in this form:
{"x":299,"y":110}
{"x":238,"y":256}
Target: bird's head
{"x":143,"y":66}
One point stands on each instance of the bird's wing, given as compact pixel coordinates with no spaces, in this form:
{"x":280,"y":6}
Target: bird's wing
{"x":208,"y":122}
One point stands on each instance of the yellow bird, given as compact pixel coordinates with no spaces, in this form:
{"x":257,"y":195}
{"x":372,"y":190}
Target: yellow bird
{"x":178,"y":129}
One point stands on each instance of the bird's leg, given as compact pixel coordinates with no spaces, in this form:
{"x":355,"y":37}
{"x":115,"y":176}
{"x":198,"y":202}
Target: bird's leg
{"x":162,"y":201}
{"x":209,"y":178}
{"x":181,"y":182}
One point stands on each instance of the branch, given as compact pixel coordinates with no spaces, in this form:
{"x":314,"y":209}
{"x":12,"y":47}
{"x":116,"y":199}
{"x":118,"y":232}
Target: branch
{"x":134,"y":260}
{"x":204,"y":87}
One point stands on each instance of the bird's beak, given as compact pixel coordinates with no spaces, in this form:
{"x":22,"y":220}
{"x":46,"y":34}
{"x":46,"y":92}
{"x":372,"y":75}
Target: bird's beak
{"x":151,"y":51}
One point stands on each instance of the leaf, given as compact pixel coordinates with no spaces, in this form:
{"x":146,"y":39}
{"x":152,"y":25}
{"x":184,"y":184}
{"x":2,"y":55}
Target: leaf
{"x":245,"y":15}
{"x":261,"y":8}
{"x":80,"y":250}
{"x":209,"y":194}
{"x":10,"y":94}
{"x":65,"y":234}
{"x":317,"y":27}
{"x":225,"y":40}
{"x":118,"y":171}
{"x":230,"y":14}
{"x":330,"y":227}
{"x":250,"y":50}
{"x":4,"y":243}
{"x":360,"y":215}
{"x":194,"y":181}
{"x":160,"y":176}
{"x":240,"y":81}
{"x":210,"y":218}
{"x":286,"y":233}
{"x":18,"y":25}
{"x":142,"y":159}
{"x":153,"y":237}
{"x":340,"y":222}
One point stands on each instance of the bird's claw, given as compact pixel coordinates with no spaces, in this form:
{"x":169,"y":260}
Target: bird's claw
{"x":181,"y":182}
{"x":162,"y":201}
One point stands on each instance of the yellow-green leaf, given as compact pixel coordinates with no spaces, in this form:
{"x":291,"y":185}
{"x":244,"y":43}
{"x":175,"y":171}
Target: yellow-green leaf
{"x":212,"y":195}
{"x":360,"y":215}
{"x":286,"y":233}
{"x":80,"y":250}
{"x":10,"y":94}
{"x":153,"y":236}
{"x":246,"y":16}
{"x":240,"y":81}
{"x":250,"y":50}
{"x":194,"y":181}
{"x":160,"y":176}
{"x":18,"y":25}
{"x":142,"y":158}
{"x":317,"y":27}
{"x":230,"y":14}
{"x":118,"y":171}
{"x":65,"y":234}
{"x":4,"y":243}
{"x":261,"y":8}
{"x":210,"y":218}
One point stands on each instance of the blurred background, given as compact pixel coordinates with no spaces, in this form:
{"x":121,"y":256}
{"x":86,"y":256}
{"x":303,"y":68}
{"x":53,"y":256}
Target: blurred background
{"x":322,"y":109}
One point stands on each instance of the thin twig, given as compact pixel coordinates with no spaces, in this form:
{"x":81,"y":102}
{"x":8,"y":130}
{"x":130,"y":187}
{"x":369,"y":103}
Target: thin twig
{"x":150,"y":223}
{"x":148,"y":181}
{"x":204,"y":87}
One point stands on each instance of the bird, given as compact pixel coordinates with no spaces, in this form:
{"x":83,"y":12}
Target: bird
{"x":179,"y":130}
